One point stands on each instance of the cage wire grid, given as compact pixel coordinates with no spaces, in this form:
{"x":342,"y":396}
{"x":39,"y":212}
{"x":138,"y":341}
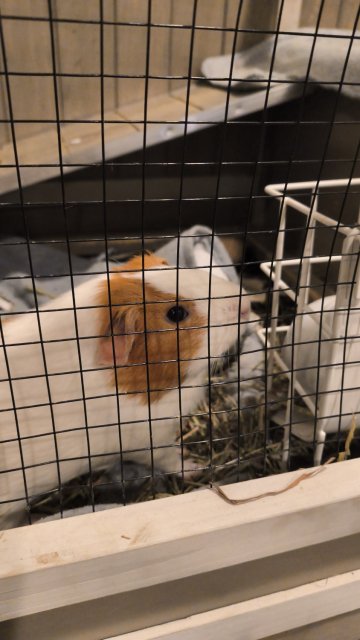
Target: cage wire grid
{"x":264,"y":438}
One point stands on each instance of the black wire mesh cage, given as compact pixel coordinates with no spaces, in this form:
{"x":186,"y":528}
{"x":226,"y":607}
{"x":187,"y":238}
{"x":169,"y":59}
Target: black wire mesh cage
{"x":179,"y":289}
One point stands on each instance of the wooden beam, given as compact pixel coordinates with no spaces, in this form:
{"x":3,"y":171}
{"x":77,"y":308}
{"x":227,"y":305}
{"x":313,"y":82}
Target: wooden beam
{"x":51,"y":565}
{"x":265,"y":616}
{"x":81,"y":141}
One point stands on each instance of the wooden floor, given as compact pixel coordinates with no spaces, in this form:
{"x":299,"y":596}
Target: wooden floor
{"x":165,"y":117}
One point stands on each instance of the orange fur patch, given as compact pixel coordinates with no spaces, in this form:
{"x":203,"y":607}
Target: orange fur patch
{"x":161,"y":345}
{"x":150,"y":261}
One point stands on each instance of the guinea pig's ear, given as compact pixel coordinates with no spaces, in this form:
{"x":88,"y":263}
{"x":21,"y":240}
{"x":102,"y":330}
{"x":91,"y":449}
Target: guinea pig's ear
{"x":125,"y":332}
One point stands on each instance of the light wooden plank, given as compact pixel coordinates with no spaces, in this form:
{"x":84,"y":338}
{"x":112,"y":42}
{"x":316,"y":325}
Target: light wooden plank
{"x":26,"y":8}
{"x":259,"y":16}
{"x":81,"y":142}
{"x":41,"y":148}
{"x":208,"y":100}
{"x":58,"y":563}
{"x":336,"y":13}
{"x":5,"y":133}
{"x":78,"y":51}
{"x":291,"y":15}
{"x":130,"y":53}
{"x":160,"y":40}
{"x":345,"y":626}
{"x":27,"y":45}
{"x":4,"y":128}
{"x":163,"y":108}
{"x":232,"y":7}
{"x":240,"y":104}
{"x":264,"y":616}
{"x":203,"y":96}
{"x":16,"y":50}
{"x":347,"y":14}
{"x":164,"y":111}
{"x":129,"y":612}
{"x":206,"y":42}
{"x":255,"y":14}
{"x":329,"y":16}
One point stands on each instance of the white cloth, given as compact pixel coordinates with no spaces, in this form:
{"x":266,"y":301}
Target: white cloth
{"x":251,"y":67}
{"x":320,"y":359}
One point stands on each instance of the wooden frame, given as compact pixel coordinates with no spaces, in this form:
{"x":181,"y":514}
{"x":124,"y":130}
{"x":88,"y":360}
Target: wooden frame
{"x":55,"y":564}
{"x":81,"y":142}
{"x":273,"y":613}
{"x":77,"y":37}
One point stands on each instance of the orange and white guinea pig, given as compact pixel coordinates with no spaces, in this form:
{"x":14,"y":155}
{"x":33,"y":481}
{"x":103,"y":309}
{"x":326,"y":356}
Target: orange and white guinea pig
{"x":82,"y":386}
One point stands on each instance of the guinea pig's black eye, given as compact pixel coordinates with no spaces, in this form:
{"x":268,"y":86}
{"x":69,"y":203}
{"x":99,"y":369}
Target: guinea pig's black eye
{"x":177,"y":314}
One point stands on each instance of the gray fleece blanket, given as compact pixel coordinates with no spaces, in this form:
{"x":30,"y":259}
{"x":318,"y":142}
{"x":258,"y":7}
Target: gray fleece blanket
{"x":251,"y":68}
{"x":16,"y":285}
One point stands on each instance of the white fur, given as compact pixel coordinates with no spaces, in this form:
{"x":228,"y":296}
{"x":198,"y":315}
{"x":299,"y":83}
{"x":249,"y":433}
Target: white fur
{"x":64,"y":407}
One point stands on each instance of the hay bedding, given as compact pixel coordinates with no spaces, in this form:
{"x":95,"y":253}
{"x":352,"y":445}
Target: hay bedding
{"x":241,"y":449}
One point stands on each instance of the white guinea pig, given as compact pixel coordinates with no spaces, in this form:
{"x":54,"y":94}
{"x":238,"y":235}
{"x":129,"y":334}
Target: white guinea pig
{"x":65,"y":408}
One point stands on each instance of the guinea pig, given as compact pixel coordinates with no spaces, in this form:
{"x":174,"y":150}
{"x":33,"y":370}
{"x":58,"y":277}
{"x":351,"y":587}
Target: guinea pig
{"x":108,"y":371}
